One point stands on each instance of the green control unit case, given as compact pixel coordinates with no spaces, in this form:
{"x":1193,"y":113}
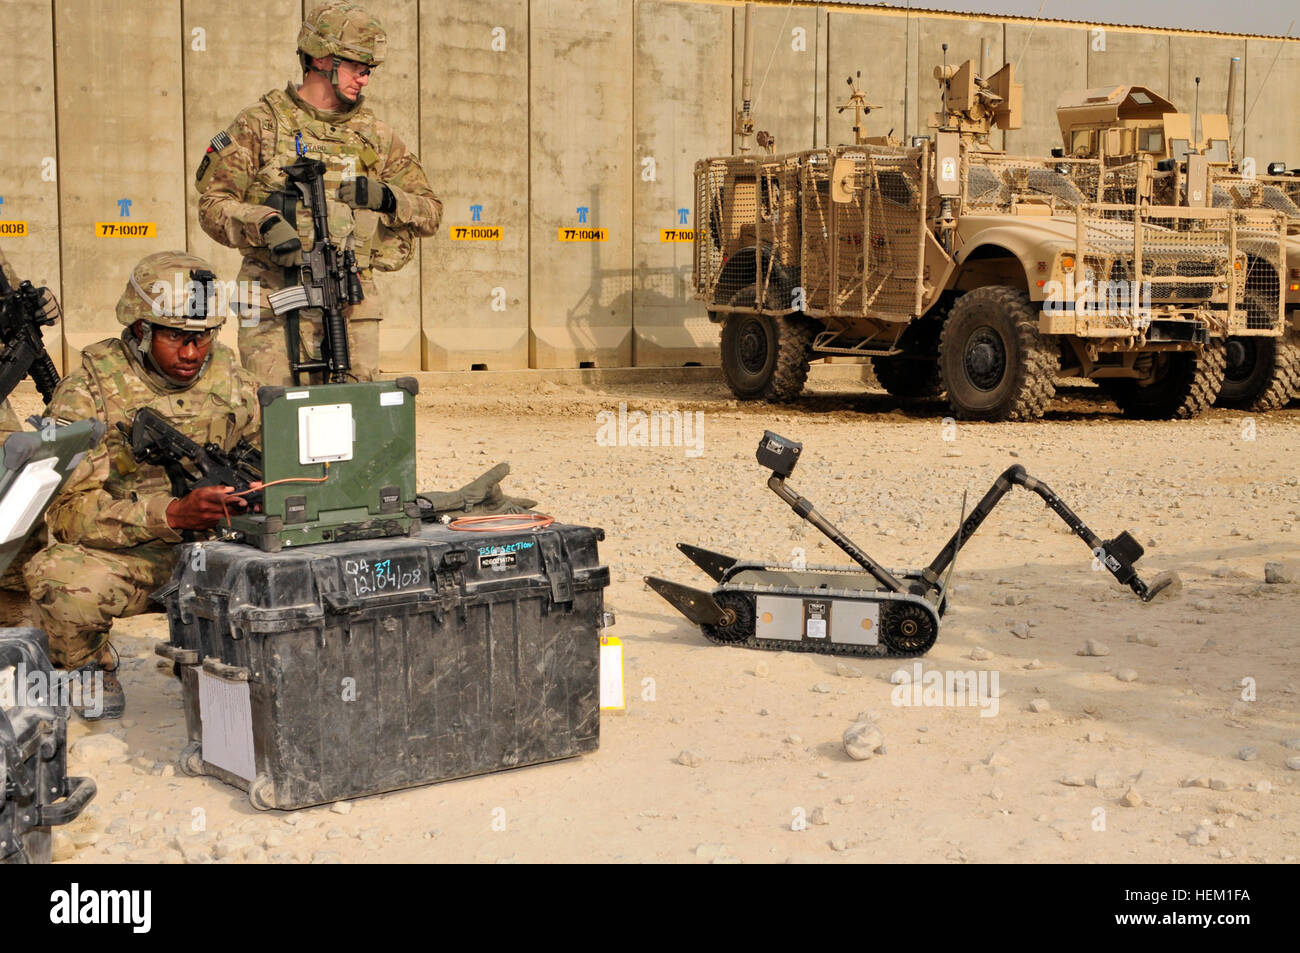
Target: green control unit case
{"x":347,"y":455}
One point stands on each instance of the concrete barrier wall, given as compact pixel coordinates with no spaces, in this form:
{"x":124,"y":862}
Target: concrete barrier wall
{"x":395,"y":98}
{"x":474,"y":146}
{"x":120,"y":131}
{"x":1272,"y":132}
{"x":873,"y":45}
{"x":29,"y":177}
{"x":526,"y":110}
{"x":581,"y":170}
{"x":682,"y":112}
{"x":221,"y":79}
{"x":1050,"y":61}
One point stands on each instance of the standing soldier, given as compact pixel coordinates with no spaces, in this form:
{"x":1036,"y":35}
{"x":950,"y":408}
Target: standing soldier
{"x":116,"y":523}
{"x":384,"y":201}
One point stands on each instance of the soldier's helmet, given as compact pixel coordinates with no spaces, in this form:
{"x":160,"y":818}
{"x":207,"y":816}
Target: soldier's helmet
{"x":344,"y":30}
{"x":175,"y":290}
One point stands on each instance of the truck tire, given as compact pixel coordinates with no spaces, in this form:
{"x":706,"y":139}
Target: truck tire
{"x":1262,"y":373}
{"x":908,"y":378}
{"x":993,"y":362}
{"x":1185,"y":385}
{"x":765,"y":357}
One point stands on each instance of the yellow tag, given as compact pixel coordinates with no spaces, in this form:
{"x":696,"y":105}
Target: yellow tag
{"x":126,"y":229}
{"x":577,"y":233}
{"x":13,"y":229}
{"x":611,"y":673}
{"x":677,"y":234}
{"x":476,"y":233}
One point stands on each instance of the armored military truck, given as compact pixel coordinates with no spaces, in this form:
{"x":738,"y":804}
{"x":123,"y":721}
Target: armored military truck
{"x":1153,"y":153}
{"x":959,"y":269}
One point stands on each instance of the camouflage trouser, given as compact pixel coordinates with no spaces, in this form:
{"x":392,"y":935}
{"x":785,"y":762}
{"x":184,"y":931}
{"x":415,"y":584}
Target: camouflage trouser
{"x":77,"y":593}
{"x":263,"y":348}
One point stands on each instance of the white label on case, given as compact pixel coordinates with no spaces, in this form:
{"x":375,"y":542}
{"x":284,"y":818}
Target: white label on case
{"x":611,"y":674}
{"x":226,"y":712}
{"x":392,"y":398}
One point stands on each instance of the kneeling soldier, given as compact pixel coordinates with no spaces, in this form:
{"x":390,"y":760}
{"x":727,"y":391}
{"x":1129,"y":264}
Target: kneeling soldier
{"x":116,"y":522}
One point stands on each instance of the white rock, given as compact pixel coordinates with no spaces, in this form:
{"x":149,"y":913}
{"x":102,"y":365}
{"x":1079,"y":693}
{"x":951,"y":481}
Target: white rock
{"x":862,"y":739}
{"x":1093,"y":648}
{"x":341,"y":807}
{"x":689,"y":759}
{"x":1248,"y":753}
{"x":1293,"y":764}
{"x":761,"y":670}
{"x":847,"y":671}
{"x":99,"y":748}
{"x":1126,"y":675}
{"x":822,"y":688}
{"x":1131,"y":798}
{"x":710,"y":852}
{"x":1074,"y":780}
{"x":62,"y":846}
{"x":980,"y":654}
{"x":1033,"y":665}
{"x":1040,"y":705}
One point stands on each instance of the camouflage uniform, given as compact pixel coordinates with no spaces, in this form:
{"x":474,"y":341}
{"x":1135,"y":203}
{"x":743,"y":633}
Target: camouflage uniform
{"x":113,"y":545}
{"x":242,"y":168}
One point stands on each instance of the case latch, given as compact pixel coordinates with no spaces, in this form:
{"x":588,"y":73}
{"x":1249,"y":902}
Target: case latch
{"x":558,"y":572}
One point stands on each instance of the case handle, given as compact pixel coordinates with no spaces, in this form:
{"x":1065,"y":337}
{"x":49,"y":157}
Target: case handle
{"x":214,"y":666}
{"x":174,"y":653}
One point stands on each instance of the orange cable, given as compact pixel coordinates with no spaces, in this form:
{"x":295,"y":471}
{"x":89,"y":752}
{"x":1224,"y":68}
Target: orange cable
{"x":486,"y":524}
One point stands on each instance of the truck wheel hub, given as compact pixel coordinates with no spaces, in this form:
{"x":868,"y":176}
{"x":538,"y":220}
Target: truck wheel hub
{"x":985,"y":359}
{"x":753,"y":347}
{"x":1238,"y":355}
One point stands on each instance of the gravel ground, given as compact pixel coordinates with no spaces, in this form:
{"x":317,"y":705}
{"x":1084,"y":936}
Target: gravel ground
{"x":1122,"y":732}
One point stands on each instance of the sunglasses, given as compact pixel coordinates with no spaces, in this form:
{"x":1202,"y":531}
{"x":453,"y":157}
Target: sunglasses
{"x":357,"y":69}
{"x":179,"y":337}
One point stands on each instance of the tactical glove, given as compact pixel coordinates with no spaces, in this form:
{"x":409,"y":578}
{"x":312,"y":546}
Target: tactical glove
{"x":282,"y":241}
{"x":365,"y":192}
{"x":479,"y":497}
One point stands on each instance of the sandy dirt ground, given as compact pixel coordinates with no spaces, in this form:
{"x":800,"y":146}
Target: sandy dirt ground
{"x":735,"y":755}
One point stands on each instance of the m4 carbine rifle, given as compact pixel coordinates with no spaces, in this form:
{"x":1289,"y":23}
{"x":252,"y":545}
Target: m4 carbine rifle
{"x":328,"y":278}
{"x":23,"y":312}
{"x":189,"y":465}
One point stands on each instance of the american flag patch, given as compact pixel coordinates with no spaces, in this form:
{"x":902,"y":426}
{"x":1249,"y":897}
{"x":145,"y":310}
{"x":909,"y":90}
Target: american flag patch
{"x":220,"y":141}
